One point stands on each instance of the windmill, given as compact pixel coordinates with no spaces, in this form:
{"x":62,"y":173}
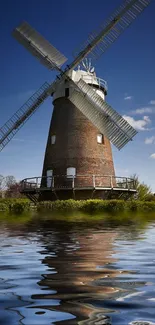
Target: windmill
{"x":78,"y":152}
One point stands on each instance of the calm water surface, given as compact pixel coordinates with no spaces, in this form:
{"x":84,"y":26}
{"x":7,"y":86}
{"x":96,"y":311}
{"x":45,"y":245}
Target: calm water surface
{"x":77,"y":273}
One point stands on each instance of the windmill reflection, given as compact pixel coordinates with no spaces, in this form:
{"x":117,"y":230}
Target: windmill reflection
{"x":75,"y":268}
{"x":79,"y":260}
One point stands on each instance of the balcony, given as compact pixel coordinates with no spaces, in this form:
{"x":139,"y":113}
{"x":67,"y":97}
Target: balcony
{"x":78,"y":182}
{"x":90,"y":79}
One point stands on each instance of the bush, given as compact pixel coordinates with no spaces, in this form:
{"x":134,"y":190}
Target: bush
{"x":132,"y":205}
{"x":68,"y":205}
{"x":19,"y":207}
{"x":146,"y":206}
{"x":3,"y":207}
{"x":87,"y":206}
{"x":96,"y":206}
{"x":90,"y":206}
{"x":114,"y":205}
{"x":141,"y":206}
{"x":15,"y":205}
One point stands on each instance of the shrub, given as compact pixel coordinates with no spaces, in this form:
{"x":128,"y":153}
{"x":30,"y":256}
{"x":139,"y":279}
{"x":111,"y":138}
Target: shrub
{"x":93,"y":206}
{"x":3,"y":207}
{"x":114,"y":205}
{"x":87,"y":206}
{"x":68,"y":205}
{"x":132,"y":205}
{"x":90,"y":206}
{"x":19,"y":207}
{"x":146,"y":206}
{"x":15,"y":205}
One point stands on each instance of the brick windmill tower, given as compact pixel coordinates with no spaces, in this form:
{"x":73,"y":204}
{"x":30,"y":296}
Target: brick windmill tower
{"x":75,"y":147}
{"x":78,"y":159}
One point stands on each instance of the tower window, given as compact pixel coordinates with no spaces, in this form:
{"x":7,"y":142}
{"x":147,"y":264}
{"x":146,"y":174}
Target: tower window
{"x":49,"y":174}
{"x":53,"y":139}
{"x":66,"y":92}
{"x":99,"y":138}
{"x":71,"y":172}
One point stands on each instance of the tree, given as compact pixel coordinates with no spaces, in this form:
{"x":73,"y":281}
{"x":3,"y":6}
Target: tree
{"x":143,"y":191}
{"x":14,"y":191}
{"x":1,"y":182}
{"x":9,"y":187}
{"x":9,"y":181}
{"x":2,"y":185}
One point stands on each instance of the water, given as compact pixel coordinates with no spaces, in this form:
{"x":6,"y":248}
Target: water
{"x":56,"y":272}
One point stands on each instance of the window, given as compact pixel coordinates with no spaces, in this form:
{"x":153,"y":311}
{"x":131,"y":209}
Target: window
{"x":71,"y":172}
{"x":49,"y":175}
{"x":99,"y":138}
{"x":66,"y":92}
{"x":53,"y":139}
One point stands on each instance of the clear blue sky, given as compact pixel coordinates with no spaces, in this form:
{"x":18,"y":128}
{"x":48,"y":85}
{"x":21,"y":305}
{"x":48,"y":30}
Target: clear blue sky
{"x":128,"y":66}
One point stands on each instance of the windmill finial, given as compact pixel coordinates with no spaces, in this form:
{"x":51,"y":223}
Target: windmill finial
{"x":87,"y":65}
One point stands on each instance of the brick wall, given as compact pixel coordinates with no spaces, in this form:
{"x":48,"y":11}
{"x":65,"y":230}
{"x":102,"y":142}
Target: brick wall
{"x":76,"y":144}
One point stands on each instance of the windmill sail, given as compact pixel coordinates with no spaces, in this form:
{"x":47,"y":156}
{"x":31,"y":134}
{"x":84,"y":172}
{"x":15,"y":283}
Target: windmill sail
{"x":108,"y":121}
{"x":39,"y":46}
{"x":102,"y":115}
{"x":11,"y":127}
{"x":98,"y":42}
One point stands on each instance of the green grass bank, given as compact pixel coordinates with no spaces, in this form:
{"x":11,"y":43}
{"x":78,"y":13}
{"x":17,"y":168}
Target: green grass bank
{"x":86,"y":206}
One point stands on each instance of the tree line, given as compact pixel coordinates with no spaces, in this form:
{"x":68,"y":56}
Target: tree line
{"x":10,"y":187}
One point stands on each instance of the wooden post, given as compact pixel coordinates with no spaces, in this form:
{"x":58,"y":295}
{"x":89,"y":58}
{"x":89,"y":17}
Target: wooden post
{"x":73,"y":182}
{"x":111,"y":182}
{"x":52,"y":181}
{"x":94,"y":181}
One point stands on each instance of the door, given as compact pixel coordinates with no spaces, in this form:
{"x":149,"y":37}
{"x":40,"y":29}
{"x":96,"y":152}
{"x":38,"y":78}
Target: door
{"x":49,"y":175}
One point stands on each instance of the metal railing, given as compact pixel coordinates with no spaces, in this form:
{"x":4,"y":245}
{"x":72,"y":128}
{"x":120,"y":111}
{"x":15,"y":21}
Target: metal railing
{"x":90,"y":79}
{"x":78,"y":182}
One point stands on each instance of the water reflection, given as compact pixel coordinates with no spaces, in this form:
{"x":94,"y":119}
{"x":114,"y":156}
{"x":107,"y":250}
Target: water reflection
{"x":56,"y":273}
{"x":79,"y":261}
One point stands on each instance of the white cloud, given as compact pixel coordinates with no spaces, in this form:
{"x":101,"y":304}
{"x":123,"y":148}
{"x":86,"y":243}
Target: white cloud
{"x":152,"y":102}
{"x":152,"y":156}
{"x":139,"y":125}
{"x":142,"y":110}
{"x":128,"y":97}
{"x":150,"y":140}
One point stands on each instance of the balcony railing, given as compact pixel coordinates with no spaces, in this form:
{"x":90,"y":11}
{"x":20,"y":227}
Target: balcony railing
{"x":78,"y":182}
{"x":95,"y":80}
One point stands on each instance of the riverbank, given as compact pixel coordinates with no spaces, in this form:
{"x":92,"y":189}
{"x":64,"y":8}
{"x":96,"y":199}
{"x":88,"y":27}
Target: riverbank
{"x":86,"y":206}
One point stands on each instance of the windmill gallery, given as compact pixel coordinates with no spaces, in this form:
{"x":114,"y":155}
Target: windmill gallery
{"x":78,"y":159}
